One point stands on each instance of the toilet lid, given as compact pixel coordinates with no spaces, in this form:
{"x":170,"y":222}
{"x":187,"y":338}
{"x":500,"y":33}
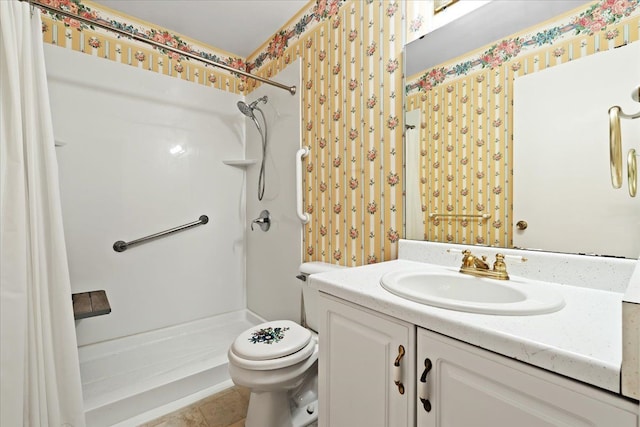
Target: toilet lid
{"x":271,"y":340}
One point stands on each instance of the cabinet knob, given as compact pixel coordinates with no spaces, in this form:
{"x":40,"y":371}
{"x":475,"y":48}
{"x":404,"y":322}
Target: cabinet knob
{"x":423,"y":389}
{"x":397,"y":370}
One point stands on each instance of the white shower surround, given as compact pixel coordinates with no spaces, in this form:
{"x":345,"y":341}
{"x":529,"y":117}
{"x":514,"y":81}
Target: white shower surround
{"x":179,"y":301}
{"x":274,"y":257}
{"x":120,"y":181}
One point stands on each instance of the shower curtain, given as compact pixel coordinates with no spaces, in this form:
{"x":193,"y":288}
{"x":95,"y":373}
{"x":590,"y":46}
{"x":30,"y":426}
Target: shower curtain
{"x":39,"y":371}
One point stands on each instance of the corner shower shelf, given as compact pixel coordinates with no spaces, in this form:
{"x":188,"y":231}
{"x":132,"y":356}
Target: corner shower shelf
{"x":90,"y":304}
{"x":239,"y":163}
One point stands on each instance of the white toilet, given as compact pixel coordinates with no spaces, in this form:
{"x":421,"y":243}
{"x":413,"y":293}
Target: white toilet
{"x":278,"y":362}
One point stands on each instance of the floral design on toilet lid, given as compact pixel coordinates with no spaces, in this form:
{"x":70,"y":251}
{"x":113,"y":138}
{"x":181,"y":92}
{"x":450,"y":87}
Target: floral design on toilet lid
{"x":267,"y":335}
{"x":271,"y":340}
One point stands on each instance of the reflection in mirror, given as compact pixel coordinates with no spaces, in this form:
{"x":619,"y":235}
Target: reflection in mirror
{"x":572,"y":206}
{"x":465,"y":165}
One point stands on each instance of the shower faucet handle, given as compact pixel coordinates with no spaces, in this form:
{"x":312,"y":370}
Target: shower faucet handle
{"x":264,"y":221}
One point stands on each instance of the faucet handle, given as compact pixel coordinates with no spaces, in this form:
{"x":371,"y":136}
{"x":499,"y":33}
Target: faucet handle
{"x":514,"y":257}
{"x":499,"y":264}
{"x":264,"y":221}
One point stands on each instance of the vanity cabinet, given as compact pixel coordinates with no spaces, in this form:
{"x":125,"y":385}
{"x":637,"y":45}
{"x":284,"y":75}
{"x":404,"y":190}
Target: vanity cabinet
{"x":461,"y":385}
{"x":469,"y":386}
{"x":362,"y":354}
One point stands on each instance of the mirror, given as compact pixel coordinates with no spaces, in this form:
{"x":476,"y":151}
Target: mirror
{"x":459,"y":118}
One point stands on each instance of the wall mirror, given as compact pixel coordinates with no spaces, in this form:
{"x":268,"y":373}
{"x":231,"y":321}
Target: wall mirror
{"x":463,"y":182}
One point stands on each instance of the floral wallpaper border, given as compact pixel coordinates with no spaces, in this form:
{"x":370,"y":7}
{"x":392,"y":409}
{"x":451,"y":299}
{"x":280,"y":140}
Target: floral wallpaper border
{"x":88,"y":10}
{"x":316,"y":12}
{"x":596,"y":18}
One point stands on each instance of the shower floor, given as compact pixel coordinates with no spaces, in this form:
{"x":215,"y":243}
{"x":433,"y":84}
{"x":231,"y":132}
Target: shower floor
{"x":126,"y":377}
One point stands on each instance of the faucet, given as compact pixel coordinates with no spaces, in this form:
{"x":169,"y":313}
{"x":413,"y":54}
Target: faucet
{"x":479,"y":267}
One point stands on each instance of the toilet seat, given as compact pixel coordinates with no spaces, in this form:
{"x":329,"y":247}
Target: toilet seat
{"x":272,"y":345}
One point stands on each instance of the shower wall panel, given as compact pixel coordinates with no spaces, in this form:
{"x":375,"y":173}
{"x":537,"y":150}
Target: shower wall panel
{"x":140,"y":153}
{"x":273,"y":257}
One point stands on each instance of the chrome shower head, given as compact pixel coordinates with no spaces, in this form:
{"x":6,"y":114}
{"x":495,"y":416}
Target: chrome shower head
{"x":247,"y":110}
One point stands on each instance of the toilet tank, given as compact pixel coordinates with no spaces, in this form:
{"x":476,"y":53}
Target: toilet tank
{"x":310,"y":315}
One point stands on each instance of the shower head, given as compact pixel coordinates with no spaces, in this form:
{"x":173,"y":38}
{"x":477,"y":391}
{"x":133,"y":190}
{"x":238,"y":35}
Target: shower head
{"x":247,"y":109}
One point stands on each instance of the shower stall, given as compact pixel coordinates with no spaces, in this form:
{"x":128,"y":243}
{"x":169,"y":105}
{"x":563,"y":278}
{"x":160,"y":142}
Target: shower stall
{"x":138,"y":153}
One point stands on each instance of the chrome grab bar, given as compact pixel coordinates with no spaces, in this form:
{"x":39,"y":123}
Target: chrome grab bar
{"x":121,"y":246}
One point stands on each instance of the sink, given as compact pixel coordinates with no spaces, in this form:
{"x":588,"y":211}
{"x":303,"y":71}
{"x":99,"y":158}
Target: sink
{"x":461,"y":292}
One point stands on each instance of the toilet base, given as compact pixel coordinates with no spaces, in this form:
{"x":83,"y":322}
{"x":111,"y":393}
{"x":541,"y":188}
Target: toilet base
{"x":293,"y":408}
{"x":268,"y":408}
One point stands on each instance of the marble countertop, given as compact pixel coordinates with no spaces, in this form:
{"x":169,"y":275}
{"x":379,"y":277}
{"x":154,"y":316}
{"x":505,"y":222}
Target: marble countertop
{"x":581,"y":341}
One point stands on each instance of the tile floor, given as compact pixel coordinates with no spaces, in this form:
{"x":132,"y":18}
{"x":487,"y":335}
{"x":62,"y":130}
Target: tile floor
{"x":225,"y":409}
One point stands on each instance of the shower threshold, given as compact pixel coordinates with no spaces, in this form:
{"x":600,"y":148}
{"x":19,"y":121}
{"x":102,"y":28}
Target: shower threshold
{"x":129,"y":376}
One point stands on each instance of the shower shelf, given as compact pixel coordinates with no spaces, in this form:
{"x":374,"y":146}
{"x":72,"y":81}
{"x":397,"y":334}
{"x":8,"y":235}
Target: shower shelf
{"x":239,"y":163}
{"x":90,"y":304}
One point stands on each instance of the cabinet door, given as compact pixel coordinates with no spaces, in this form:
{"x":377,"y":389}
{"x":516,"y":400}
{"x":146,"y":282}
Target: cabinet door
{"x":358,"y":351}
{"x":468,"y":386}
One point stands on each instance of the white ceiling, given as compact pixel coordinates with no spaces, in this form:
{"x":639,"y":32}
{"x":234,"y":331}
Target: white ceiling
{"x":236,"y":26}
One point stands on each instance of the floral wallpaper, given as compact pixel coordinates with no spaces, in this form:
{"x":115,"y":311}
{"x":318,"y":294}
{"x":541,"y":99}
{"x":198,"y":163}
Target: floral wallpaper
{"x":466,"y":125}
{"x":74,"y":34}
{"x":352,"y":110}
{"x":351,"y":119}
{"x":352,"y":107}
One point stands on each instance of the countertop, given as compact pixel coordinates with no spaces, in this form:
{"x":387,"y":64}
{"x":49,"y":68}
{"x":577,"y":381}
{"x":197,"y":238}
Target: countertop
{"x":581,"y":341}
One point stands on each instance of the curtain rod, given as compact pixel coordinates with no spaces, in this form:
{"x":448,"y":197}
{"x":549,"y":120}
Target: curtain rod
{"x":290,"y":89}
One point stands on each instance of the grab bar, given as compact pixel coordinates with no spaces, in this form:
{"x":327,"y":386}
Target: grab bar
{"x":301,"y":154}
{"x":121,"y":246}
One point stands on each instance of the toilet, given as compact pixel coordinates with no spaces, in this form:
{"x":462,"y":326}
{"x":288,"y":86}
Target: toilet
{"x":278,"y":362}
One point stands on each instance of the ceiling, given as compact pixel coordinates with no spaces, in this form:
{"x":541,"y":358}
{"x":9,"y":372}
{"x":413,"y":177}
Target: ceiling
{"x":236,"y":26}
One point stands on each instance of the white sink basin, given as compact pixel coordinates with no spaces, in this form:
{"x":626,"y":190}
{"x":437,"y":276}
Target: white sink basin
{"x":462,"y":292}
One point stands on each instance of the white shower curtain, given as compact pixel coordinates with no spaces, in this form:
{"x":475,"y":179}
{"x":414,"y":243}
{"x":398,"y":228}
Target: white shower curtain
{"x":39,"y":371}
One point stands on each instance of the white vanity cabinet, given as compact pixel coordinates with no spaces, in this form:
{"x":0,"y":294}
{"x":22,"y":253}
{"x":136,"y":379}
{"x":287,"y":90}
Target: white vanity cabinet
{"x":359,"y":362}
{"x":469,"y":386}
{"x":465,"y":385}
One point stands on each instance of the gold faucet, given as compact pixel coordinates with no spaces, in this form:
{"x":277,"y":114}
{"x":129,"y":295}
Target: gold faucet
{"x":479,"y":267}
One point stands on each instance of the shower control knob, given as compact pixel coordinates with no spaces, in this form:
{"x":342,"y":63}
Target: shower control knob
{"x":264,"y":221}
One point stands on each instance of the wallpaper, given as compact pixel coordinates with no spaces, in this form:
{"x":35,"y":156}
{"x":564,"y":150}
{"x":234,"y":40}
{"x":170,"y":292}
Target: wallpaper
{"x":466,"y":127}
{"x":352,"y":108}
{"x":73,"y":34}
{"x":351,"y":120}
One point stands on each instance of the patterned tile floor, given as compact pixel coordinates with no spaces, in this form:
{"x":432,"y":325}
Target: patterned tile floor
{"x":225,"y":409}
